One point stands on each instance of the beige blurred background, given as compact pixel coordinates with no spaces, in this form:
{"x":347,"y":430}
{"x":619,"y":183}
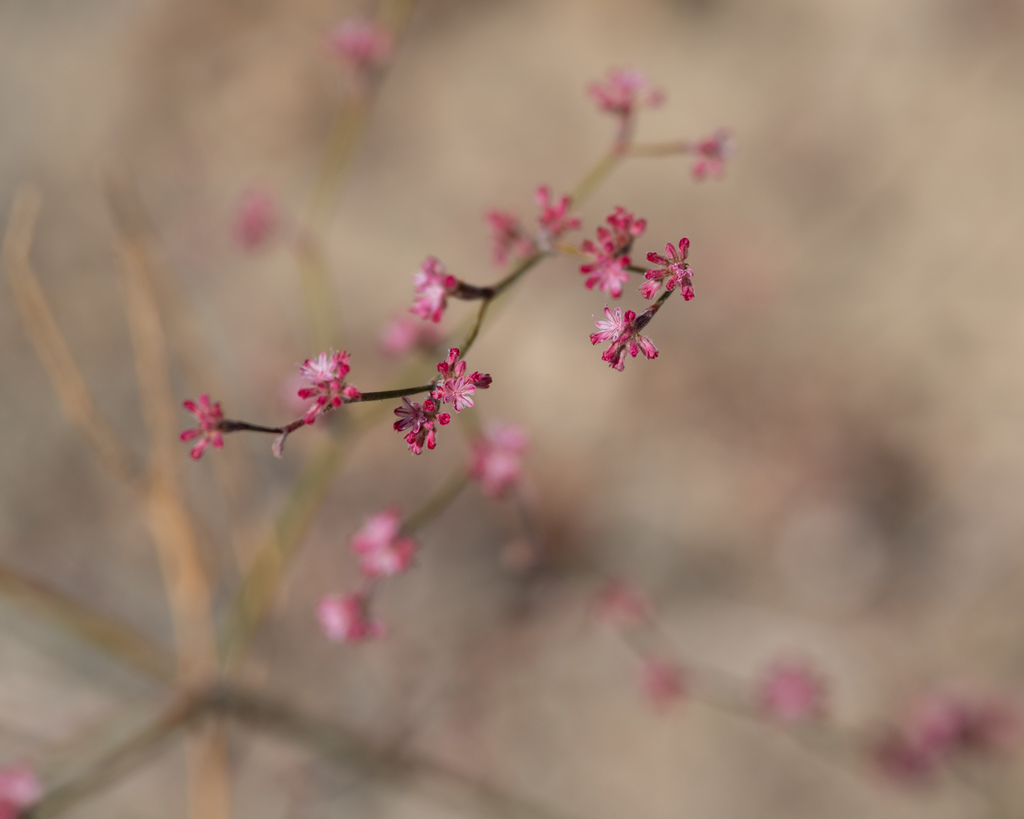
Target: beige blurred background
{"x":827,"y":459}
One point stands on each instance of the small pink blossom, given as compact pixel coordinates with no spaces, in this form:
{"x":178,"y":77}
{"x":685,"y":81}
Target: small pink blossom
{"x":674,"y":271}
{"x":381,"y":550}
{"x":497,"y":458}
{"x":325,"y":375}
{"x":361,"y":44}
{"x":792,"y":691}
{"x":402,"y":334}
{"x":662,"y":682}
{"x":19,"y":789}
{"x":209,"y":416}
{"x":345,"y":618}
{"x":419,"y":420}
{"x":434,"y":285}
{"x":624,"y":91}
{"x":554,"y":217}
{"x":255,"y":219}
{"x":623,"y":331}
{"x":623,"y":605}
{"x":608,"y":270}
{"x":509,"y":238}
{"x":711,"y":153}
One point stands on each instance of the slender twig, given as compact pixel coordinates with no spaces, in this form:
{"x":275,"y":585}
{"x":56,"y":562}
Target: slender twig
{"x":124,"y":756}
{"x":101,"y":631}
{"x":51,"y":346}
{"x":437,"y":502}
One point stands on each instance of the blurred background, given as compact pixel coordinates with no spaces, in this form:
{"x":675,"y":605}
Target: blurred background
{"x":826,"y":460}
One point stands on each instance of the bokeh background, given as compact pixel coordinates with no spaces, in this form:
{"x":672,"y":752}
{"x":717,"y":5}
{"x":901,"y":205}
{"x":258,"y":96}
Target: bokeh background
{"x":826,"y":460}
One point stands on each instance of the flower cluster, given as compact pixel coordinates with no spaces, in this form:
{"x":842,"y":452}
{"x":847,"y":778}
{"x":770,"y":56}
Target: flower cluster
{"x":434,"y":284}
{"x":345,"y":618}
{"x":791,"y":691}
{"x":623,"y":331}
{"x":674,"y":271}
{"x":624,"y":91}
{"x":711,"y":153}
{"x":942,"y":726}
{"x":508,"y":237}
{"x":608,"y":270}
{"x":453,"y":386}
{"x":383,"y":551}
{"x":497,"y":459}
{"x":325,"y":376}
{"x":361,"y":44}
{"x":554,"y":220}
{"x":19,"y":788}
{"x":209,"y":415}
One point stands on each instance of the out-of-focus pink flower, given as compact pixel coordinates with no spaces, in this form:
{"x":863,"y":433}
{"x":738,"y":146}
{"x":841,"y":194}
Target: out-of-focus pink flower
{"x":19,"y":788}
{"x":497,"y":458}
{"x":554,"y":219}
{"x":711,"y":153}
{"x":940,"y":725}
{"x":209,"y":416}
{"x":623,"y":331}
{"x":344,"y":618}
{"x":325,"y":375}
{"x":361,"y":44}
{"x":434,"y":285}
{"x":509,"y":238}
{"x":255,"y":219}
{"x":402,"y":334}
{"x":381,"y":549}
{"x":623,"y":91}
{"x":608,"y":270}
{"x":792,"y":691}
{"x":674,"y":270}
{"x":623,"y":605}
{"x":662,"y":682}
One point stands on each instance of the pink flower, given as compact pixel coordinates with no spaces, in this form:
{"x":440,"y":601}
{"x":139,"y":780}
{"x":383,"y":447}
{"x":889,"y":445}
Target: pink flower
{"x":209,"y":416}
{"x":623,"y":331}
{"x":434,"y":285}
{"x":325,"y":375}
{"x":608,"y":270}
{"x":19,"y":788}
{"x":497,"y":457}
{"x":622,"y":605}
{"x":381,"y":550}
{"x":662,"y":682}
{"x":712,"y":151}
{"x":674,"y":271}
{"x":941,"y":725}
{"x":361,"y":44}
{"x":345,"y":618}
{"x":453,"y":386}
{"x":508,"y":236}
{"x":624,"y":91}
{"x":402,"y":334}
{"x":791,"y":692}
{"x":554,"y":217}
{"x":255,"y":219}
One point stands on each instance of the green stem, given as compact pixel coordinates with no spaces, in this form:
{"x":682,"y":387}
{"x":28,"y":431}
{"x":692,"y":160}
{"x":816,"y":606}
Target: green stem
{"x":437,"y":502}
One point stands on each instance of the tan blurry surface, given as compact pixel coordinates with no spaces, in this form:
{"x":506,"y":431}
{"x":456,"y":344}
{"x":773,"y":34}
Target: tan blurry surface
{"x":825,"y":459}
